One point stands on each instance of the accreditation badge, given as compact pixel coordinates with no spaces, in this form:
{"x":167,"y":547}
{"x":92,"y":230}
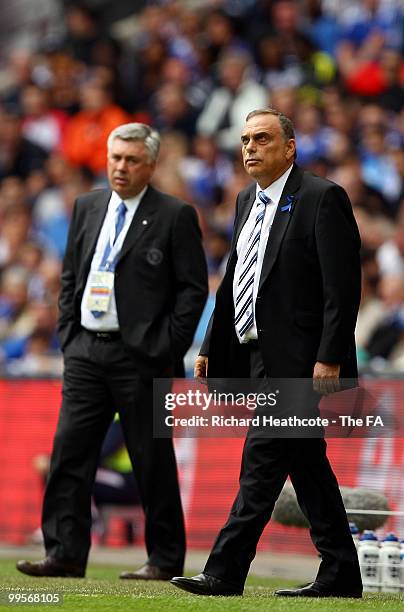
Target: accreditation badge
{"x":101,"y":286}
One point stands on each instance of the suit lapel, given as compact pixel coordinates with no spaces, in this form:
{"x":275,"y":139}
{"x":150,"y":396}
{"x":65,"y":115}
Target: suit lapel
{"x":97,"y":214}
{"x":281,"y":222}
{"x":141,"y":220}
{"x":245,"y":210}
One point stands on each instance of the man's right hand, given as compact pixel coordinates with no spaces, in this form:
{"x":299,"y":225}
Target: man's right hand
{"x":201,"y":367}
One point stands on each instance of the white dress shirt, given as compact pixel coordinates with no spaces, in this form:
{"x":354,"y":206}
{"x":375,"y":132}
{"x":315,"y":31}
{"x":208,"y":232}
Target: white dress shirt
{"x":108,"y":321}
{"x":274,"y":192}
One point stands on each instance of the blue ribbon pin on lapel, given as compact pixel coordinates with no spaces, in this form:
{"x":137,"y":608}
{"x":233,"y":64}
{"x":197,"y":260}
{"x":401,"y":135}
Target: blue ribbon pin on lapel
{"x":288,"y":207}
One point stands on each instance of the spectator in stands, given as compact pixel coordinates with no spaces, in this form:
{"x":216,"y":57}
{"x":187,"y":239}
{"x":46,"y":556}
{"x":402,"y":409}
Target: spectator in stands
{"x":371,"y":310}
{"x":195,"y":86}
{"x":226,"y":107}
{"x":278,"y":72}
{"x":220,"y":36}
{"x":30,"y":256}
{"x":222,"y":217}
{"x":63,"y":75}
{"x":387,"y":340}
{"x":15,"y":230}
{"x":52,"y":210}
{"x":317,"y":68}
{"x":85,"y":137}
{"x":392,"y":69}
{"x":390,"y":255}
{"x":13,"y":193}
{"x":15,"y":319}
{"x":285,"y":100}
{"x":82,"y":32}
{"x":378,"y":167}
{"x":206,"y":172}
{"x":323,"y":28}
{"x":18,"y":156}
{"x":312,"y":137}
{"x":16,"y":73}
{"x":174,"y":147}
{"x":172,"y":111}
{"x":369,"y":28}
{"x":216,"y":247}
{"x":41,"y":124}
{"x":147,"y":71}
{"x":39,"y":360}
{"x":348,"y":174}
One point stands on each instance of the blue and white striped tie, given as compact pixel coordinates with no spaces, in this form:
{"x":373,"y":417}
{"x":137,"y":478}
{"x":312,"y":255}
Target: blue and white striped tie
{"x":244,"y":312}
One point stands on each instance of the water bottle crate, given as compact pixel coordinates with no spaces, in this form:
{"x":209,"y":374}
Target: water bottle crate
{"x":369,"y":587}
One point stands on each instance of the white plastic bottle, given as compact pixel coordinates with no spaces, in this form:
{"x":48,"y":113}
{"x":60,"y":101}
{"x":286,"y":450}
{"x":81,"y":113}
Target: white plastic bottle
{"x":402,"y":563}
{"x":355,"y":534}
{"x":369,"y":557}
{"x":402,"y":568}
{"x":390,"y":564}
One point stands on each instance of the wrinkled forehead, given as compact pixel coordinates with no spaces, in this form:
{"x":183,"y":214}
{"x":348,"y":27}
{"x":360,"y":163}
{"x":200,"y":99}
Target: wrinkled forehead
{"x":128,"y":147}
{"x":260,"y":124}
{"x":128,"y":144}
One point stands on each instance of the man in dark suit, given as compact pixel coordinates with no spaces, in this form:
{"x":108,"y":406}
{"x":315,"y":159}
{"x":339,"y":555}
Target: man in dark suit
{"x":286,"y":308}
{"x":134,"y":284}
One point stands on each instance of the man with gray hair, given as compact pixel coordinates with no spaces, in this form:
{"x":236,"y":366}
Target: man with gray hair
{"x":134,"y":284}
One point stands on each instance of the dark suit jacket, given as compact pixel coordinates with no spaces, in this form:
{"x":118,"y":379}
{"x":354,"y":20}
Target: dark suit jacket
{"x":309,"y":290}
{"x":160,"y":278}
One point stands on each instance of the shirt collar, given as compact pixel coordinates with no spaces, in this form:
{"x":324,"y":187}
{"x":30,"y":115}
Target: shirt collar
{"x":274,"y":190}
{"x":131,"y":203}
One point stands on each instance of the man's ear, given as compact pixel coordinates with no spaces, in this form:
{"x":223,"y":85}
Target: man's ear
{"x":291,"y":150}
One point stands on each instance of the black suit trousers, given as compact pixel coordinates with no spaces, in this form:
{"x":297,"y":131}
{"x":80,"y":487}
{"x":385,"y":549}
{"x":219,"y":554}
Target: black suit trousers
{"x":266,"y":464}
{"x":100,"y":379}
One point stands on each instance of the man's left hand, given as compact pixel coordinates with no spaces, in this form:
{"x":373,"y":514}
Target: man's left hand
{"x":326,"y":378}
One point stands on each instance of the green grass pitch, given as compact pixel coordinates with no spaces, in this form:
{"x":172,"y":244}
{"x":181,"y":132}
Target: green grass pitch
{"x":102,"y":590}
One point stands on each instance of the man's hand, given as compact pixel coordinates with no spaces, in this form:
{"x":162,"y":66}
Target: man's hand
{"x":201,"y":367}
{"x":326,"y":378}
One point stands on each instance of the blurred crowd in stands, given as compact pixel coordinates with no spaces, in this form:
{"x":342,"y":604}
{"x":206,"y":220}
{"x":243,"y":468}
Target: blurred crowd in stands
{"x":72,"y":71}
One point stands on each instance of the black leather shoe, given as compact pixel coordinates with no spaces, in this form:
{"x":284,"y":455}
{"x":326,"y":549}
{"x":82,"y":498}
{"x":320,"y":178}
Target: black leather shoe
{"x":203,"y":584}
{"x":50,"y":567}
{"x":148,"y":572}
{"x":315,"y":589}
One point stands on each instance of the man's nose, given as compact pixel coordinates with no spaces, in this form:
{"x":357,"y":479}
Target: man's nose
{"x":121,"y":164}
{"x":250,"y":145}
